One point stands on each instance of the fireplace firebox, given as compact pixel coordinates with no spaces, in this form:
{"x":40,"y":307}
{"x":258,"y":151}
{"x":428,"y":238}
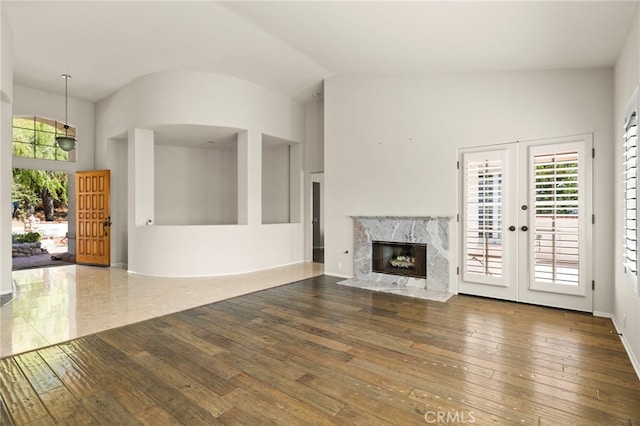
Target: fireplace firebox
{"x":407,"y":259}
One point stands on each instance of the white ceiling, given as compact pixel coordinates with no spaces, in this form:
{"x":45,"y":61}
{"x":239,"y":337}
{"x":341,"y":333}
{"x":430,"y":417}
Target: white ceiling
{"x":290,"y":47}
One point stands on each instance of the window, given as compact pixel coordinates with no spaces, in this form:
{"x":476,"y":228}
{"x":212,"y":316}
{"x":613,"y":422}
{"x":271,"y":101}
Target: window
{"x":483,"y":213}
{"x":35,"y":137}
{"x":557,"y":222}
{"x":489,"y":206}
{"x":630,"y":161}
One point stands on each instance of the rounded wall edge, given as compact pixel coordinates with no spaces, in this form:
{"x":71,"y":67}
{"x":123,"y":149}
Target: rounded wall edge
{"x":200,"y":251}
{"x":198,"y":98}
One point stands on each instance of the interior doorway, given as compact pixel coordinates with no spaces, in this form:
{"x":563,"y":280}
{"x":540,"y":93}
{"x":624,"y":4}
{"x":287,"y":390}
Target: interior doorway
{"x":318,"y":217}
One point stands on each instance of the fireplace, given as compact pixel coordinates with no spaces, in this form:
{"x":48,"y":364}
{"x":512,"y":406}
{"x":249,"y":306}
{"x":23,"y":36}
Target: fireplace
{"x":404,"y":255}
{"x":394,"y":258}
{"x":431,"y":232}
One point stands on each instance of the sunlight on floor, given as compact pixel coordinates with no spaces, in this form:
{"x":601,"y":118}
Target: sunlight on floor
{"x":52,"y":305}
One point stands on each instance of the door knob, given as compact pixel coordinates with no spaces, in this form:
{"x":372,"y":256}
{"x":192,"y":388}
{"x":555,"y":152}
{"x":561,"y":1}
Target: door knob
{"x":524,"y":227}
{"x":105,"y":225}
{"x":512,"y":228}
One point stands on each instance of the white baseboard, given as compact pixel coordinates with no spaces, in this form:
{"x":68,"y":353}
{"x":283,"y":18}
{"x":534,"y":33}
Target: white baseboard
{"x":331,"y":274}
{"x":623,"y":339}
{"x":120,"y":265}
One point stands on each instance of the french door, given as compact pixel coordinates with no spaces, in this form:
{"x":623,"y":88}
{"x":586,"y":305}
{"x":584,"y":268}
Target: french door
{"x":526,"y":222}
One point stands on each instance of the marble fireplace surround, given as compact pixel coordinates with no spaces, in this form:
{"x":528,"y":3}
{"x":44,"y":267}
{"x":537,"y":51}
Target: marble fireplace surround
{"x":429,"y":230}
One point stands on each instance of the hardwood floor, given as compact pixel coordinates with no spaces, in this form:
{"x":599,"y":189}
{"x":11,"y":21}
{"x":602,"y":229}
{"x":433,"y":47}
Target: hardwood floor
{"x":314,"y":352}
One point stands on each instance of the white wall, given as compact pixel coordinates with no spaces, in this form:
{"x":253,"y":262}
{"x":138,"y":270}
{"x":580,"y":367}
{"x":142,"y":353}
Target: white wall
{"x":313,"y":163}
{"x":276,"y":182}
{"x":627,"y":302}
{"x":119,"y":201}
{"x":29,"y":101}
{"x":197,"y":186}
{"x":201,"y":99}
{"x":391,"y":145}
{"x":6,"y":98}
{"x":6,"y":65}
{"x":314,"y":136}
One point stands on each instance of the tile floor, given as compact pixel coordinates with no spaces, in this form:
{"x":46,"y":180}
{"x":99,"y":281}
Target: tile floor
{"x":55,"y":304}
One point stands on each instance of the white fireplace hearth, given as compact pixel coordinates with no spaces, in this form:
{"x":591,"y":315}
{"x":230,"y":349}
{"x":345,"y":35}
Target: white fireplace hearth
{"x":428,"y":230}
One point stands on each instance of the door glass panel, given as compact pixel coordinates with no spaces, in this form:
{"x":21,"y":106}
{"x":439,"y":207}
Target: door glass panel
{"x":557,"y":224}
{"x":483,"y":216}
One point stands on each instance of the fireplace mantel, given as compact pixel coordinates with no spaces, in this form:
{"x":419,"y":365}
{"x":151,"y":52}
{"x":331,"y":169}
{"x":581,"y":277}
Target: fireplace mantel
{"x":430,"y":230}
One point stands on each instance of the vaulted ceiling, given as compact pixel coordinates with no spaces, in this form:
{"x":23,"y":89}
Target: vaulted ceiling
{"x":290,"y":47}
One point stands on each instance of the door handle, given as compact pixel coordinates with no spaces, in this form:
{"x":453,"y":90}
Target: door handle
{"x":105,"y":225}
{"x":524,"y":228}
{"x":512,"y":228}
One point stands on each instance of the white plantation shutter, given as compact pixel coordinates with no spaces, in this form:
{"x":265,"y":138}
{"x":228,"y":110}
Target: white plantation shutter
{"x":525,"y":225}
{"x":630,"y":187}
{"x":557,"y":225}
{"x":630,"y":161}
{"x":483,"y":209}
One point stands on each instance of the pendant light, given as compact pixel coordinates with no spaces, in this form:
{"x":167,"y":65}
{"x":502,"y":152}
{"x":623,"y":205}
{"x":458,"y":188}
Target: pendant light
{"x":66,"y":143}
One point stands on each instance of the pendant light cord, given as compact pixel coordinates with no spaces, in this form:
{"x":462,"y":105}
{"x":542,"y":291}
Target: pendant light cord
{"x":66,"y":83}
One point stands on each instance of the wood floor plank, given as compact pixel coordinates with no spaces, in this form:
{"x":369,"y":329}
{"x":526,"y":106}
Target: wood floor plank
{"x":354,"y":416}
{"x":292,"y":387}
{"x":239,"y":416}
{"x":189,"y":361}
{"x":18,"y":396}
{"x":170,"y":398}
{"x":44,"y":421}
{"x":106,"y":410}
{"x":281,"y":399}
{"x":70,"y":374}
{"x":351,"y":374}
{"x":173,"y":328}
{"x":570,"y":401}
{"x":314,"y":352}
{"x":124,"y":392}
{"x":5,"y":419}
{"x":370,"y":384}
{"x":36,"y":370}
{"x":65,"y":408}
{"x":268,"y":412}
{"x":439,"y":410}
{"x":199,"y":394}
{"x":377,"y":403}
{"x":156,"y":415}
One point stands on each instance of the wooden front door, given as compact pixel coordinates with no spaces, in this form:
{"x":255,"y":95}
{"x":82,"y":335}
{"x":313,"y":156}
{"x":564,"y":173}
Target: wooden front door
{"x":93,"y":217}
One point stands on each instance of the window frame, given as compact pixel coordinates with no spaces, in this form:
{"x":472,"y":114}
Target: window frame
{"x":58,"y":130}
{"x":631,"y":276}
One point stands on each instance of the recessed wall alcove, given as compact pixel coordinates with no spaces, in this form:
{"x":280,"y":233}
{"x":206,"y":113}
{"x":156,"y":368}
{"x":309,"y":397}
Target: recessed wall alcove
{"x":281,"y":180}
{"x":198,"y":182}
